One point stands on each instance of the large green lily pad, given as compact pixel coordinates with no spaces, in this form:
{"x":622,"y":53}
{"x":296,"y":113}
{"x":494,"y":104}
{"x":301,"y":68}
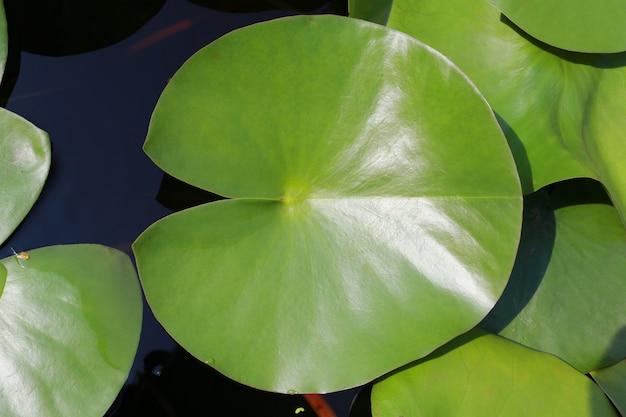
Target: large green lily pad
{"x":70,"y":318}
{"x":481,"y":375}
{"x":562,"y":112}
{"x":376,"y":209}
{"x":24,"y":166}
{"x":575,"y":25}
{"x":568,"y":279}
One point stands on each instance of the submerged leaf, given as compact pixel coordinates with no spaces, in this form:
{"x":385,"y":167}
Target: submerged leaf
{"x":377,"y":209}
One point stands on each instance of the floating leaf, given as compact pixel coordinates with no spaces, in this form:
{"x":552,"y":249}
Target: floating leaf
{"x":4,"y":43}
{"x":485,"y":375}
{"x":552,"y":104}
{"x":613,"y":381}
{"x":70,"y":318}
{"x":578,"y":25}
{"x":3,"y":278}
{"x":377,"y":209}
{"x":24,"y":165}
{"x":568,"y":279}
{"x":376,"y":11}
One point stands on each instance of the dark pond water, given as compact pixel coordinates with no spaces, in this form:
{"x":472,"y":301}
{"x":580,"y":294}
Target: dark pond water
{"x":92,"y":85}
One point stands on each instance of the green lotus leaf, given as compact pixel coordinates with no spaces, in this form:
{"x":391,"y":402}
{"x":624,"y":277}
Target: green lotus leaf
{"x":605,"y":135}
{"x":580,"y":25}
{"x":70,"y":318}
{"x":24,"y":165}
{"x":376,"y":11}
{"x":613,"y":381}
{"x":568,"y":279}
{"x":550,"y":102}
{"x":4,"y":39}
{"x":377,"y":209}
{"x":481,"y":374}
{"x":3,"y":278}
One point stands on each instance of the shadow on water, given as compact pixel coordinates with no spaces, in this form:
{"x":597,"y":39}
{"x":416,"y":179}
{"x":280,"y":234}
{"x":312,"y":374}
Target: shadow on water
{"x":175,"y":384}
{"x":65,"y":27}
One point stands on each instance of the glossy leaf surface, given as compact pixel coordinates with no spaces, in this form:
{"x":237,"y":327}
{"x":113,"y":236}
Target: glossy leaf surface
{"x":24,"y":165}
{"x":4,"y":42}
{"x":368,"y":228}
{"x":580,"y":25}
{"x":486,"y":375}
{"x":568,"y":279}
{"x":613,"y":381}
{"x":551,"y":103}
{"x":70,"y":318}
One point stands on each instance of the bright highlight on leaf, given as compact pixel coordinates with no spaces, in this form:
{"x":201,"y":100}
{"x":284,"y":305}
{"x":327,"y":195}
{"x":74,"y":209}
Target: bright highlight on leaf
{"x":562,"y":112}
{"x":377,"y":207}
{"x":481,"y":374}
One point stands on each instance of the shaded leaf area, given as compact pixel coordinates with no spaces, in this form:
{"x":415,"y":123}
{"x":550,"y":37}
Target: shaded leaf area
{"x":65,"y":27}
{"x":173,"y":383}
{"x":577,"y":25}
{"x":24,"y":165}
{"x":376,"y":11}
{"x":561,"y":111}
{"x":363,"y":208}
{"x":613,"y":381}
{"x":480,"y":374}
{"x":249,"y":6}
{"x":568,"y":278}
{"x":70,"y":318}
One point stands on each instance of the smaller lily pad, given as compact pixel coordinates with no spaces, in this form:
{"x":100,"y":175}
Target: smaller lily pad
{"x":70,"y":319}
{"x":480,"y":374}
{"x":574,"y":25}
{"x":24,"y":166}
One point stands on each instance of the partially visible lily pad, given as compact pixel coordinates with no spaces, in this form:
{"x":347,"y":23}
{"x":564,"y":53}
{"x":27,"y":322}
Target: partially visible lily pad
{"x":568,"y":279}
{"x":376,"y":11}
{"x":3,"y":278}
{"x":70,"y":319}
{"x":376,"y":207}
{"x":481,"y":374}
{"x":575,"y":25}
{"x":613,"y":381}
{"x":24,"y":166}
